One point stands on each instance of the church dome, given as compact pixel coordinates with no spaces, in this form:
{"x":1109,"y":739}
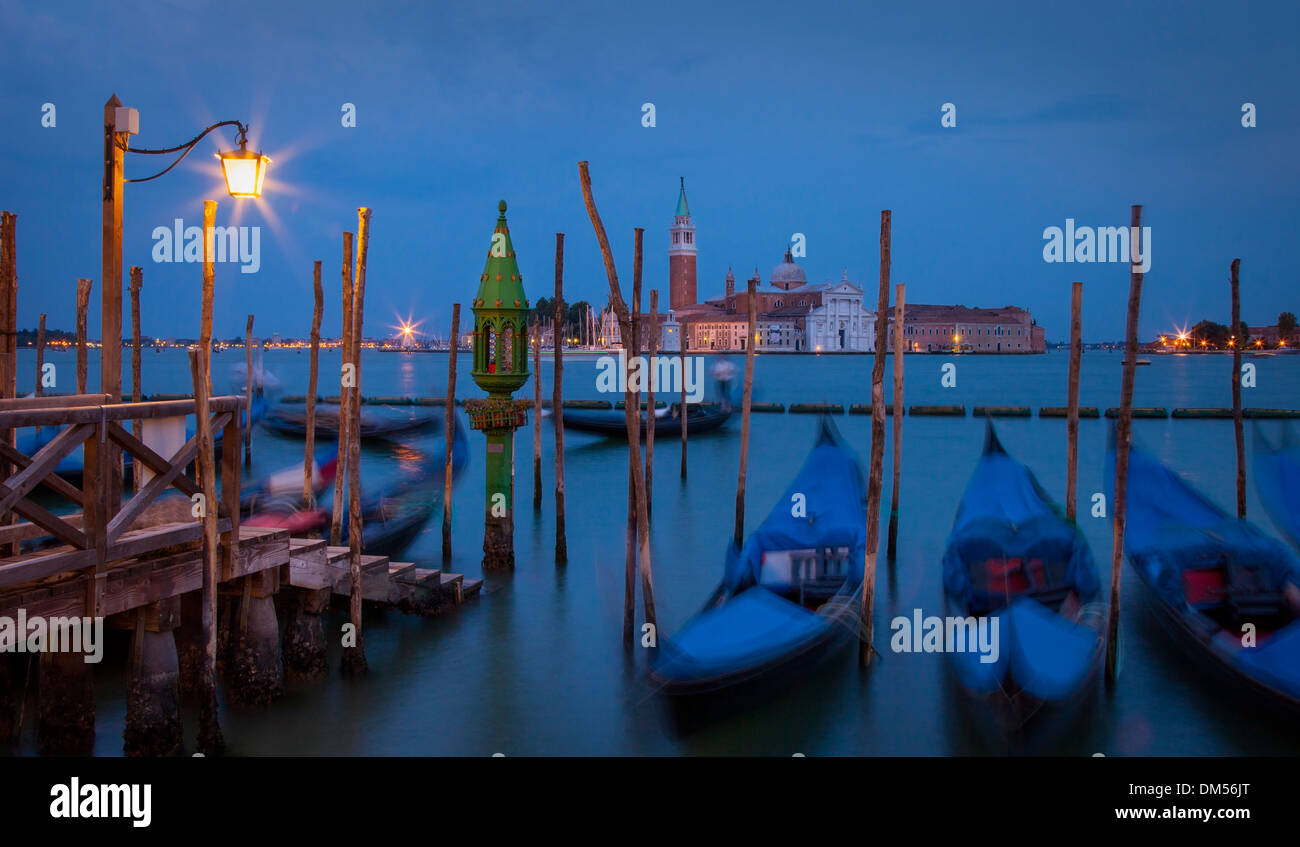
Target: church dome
{"x":788,"y":275}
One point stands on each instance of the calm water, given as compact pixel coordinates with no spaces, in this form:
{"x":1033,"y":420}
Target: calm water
{"x":535,"y":666}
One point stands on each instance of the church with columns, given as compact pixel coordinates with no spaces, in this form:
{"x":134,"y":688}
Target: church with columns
{"x":793,"y":316}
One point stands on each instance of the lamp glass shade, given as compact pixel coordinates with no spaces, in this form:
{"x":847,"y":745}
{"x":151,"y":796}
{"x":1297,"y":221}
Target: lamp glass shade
{"x":245,"y":171}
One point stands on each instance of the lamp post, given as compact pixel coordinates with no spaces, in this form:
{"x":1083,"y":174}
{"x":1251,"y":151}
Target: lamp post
{"x":244,"y":173}
{"x":500,"y":368}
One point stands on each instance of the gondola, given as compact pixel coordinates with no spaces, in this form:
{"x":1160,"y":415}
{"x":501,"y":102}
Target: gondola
{"x":668,"y":421}
{"x":1013,"y":560}
{"x":1277,"y":478}
{"x":392,"y":518}
{"x":376,"y":421}
{"x":1228,"y":593}
{"x":787,"y":601}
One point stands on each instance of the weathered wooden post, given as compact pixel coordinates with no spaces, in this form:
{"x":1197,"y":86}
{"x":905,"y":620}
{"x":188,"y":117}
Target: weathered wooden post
{"x":346,"y":371}
{"x":210,"y":740}
{"x":557,"y":405}
{"x":633,"y":429}
{"x":1123,"y":441}
{"x":40,"y":356}
{"x":137,"y":281}
{"x":354,"y":656}
{"x":537,"y":415}
{"x":1237,"y":426}
{"x":1072,"y":410}
{"x":650,"y":377}
{"x":248,"y":390}
{"x":450,"y":415}
{"x":874,"y":481}
{"x":500,"y":368}
{"x":83,"y":302}
{"x":631,"y":416}
{"x":752,"y":298}
{"x":900,"y":296}
{"x":9,"y":303}
{"x":313,"y":363}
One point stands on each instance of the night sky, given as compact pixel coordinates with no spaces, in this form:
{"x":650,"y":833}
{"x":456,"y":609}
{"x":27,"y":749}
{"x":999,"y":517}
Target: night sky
{"x":783,"y":118}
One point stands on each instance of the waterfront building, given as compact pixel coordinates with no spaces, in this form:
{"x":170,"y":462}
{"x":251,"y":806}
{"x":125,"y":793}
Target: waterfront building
{"x":939,"y":328}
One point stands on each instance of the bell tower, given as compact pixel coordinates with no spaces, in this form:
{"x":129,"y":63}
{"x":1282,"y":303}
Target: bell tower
{"x":681,"y":255}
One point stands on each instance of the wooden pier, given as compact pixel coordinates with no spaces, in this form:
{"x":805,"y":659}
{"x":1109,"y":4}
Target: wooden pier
{"x":140,"y":567}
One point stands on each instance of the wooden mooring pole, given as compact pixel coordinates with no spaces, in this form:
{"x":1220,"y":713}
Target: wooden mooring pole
{"x":248,"y":391}
{"x":210,"y":740}
{"x":450,"y":415}
{"x":83,"y":302}
{"x":631,"y":414}
{"x":137,"y":380}
{"x":1072,"y":409}
{"x":633,"y":427}
{"x":557,"y":405}
{"x":354,"y":657}
{"x":40,"y":356}
{"x":345,"y":371}
{"x":651,"y":347}
{"x":739,"y":537}
{"x":900,"y":295}
{"x":1237,"y":425}
{"x":537,"y":415}
{"x":874,"y":481}
{"x":1123,"y":441}
{"x":8,"y":309}
{"x":681,"y":354}
{"x":313,"y":365}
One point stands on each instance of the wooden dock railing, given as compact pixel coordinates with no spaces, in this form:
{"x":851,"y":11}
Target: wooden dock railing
{"x":94,"y":537}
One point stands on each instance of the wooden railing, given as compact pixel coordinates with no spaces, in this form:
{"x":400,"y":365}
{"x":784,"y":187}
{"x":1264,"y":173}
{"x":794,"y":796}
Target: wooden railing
{"x":101,"y":534}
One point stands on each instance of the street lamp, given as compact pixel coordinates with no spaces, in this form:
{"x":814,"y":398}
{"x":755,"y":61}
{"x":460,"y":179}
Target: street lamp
{"x":244,"y":170}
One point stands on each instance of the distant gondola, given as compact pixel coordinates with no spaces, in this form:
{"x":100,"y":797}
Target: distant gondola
{"x":787,"y":600}
{"x":668,"y":421}
{"x":376,"y":421}
{"x":391,"y":518}
{"x":1014,"y":559}
{"x":1277,"y":478}
{"x":1227,"y":592}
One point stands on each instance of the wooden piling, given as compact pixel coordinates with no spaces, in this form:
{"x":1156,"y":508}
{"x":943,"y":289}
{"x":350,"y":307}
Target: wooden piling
{"x":557,"y":405}
{"x":1072,"y":409}
{"x":210,"y":740}
{"x":1123,"y":441}
{"x":309,"y":458}
{"x":1237,"y":425}
{"x":537,"y":414}
{"x":137,"y":382}
{"x":874,"y":482}
{"x":248,"y":391}
{"x":681,"y":354}
{"x":8,"y":308}
{"x":345,"y":348}
{"x":900,"y":295}
{"x":83,"y":302}
{"x":354,"y":658}
{"x":752,"y":299}
{"x":631,"y":411}
{"x":40,"y":357}
{"x":650,"y":403}
{"x":450,"y":415}
{"x":633,"y":429}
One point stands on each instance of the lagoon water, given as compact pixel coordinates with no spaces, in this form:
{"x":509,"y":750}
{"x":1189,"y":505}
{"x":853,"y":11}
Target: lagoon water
{"x":536,"y":666}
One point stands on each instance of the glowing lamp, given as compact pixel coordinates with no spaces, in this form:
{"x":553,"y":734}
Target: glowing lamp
{"x":245,"y":171}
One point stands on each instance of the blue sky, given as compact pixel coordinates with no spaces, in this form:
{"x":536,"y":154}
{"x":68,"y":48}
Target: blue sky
{"x":783,"y":118}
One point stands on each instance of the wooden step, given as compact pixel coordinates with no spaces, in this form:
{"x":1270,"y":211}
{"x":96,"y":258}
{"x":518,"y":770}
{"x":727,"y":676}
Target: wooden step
{"x":305,"y":545}
{"x":470,"y":587}
{"x":398,"y":569}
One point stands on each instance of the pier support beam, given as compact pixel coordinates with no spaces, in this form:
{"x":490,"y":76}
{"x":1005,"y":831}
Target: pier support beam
{"x":153,"y":716}
{"x":11,"y":695}
{"x":305,"y":654}
{"x":65,"y":705}
{"x":257,"y":673}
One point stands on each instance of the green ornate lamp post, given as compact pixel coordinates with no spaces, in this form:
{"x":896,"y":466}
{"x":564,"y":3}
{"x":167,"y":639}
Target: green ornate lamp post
{"x":500,"y":369}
